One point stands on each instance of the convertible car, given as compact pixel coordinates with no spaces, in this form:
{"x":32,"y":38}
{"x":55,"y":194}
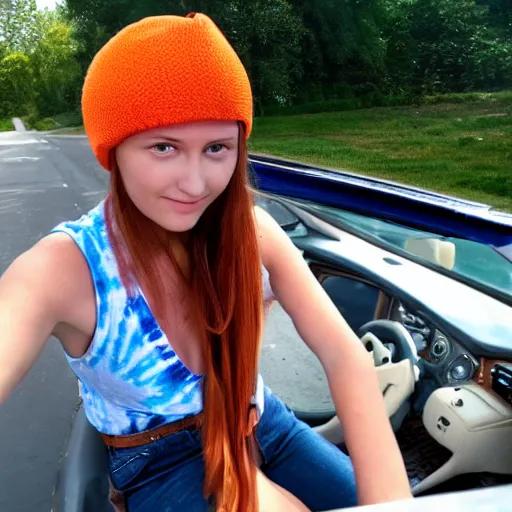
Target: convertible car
{"x":426,"y":282}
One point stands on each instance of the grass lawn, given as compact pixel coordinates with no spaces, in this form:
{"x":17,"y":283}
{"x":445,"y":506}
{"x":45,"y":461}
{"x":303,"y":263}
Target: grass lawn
{"x":461,"y":149}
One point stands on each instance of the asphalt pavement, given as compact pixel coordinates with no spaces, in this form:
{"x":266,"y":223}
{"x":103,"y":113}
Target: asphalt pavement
{"x":44,"y":180}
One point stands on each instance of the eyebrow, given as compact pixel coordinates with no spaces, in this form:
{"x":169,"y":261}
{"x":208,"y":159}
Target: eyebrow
{"x":172,"y":139}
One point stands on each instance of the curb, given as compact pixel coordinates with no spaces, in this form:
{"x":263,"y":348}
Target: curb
{"x":19,"y":125}
{"x":64,"y":136}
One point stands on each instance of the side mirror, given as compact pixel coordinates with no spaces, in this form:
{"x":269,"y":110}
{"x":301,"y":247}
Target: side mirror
{"x":434,"y":250}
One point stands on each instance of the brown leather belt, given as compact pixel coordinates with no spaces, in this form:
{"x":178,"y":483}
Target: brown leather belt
{"x":150,"y":436}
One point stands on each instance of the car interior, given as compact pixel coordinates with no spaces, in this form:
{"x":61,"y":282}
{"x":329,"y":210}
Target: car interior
{"x":442,"y":350}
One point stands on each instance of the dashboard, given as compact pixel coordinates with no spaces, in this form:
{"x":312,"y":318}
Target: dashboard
{"x":444,"y":358}
{"x":447,"y":360}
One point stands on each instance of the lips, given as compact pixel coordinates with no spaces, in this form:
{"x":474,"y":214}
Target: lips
{"x":185,"y":206}
{"x":184,"y":202}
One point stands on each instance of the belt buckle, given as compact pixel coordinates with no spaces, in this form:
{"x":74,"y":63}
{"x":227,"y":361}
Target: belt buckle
{"x":155,"y":437}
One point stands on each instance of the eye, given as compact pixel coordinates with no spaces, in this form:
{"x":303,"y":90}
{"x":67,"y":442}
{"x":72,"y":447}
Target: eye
{"x":216,"y":148}
{"x":162,"y":149}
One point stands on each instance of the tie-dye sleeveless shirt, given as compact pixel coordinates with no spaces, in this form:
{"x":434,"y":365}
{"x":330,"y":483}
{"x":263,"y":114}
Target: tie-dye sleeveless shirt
{"x":131,"y":378}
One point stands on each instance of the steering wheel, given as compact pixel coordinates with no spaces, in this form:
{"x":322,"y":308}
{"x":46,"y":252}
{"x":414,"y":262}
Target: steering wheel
{"x":396,"y":362}
{"x":375,"y":335}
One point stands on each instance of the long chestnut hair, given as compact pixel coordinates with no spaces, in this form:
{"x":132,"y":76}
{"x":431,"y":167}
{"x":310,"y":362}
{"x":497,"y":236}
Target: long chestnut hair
{"x":224,"y":300}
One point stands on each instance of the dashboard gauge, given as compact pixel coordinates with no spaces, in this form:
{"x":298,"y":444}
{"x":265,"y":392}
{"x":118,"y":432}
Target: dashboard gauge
{"x":461,"y":369}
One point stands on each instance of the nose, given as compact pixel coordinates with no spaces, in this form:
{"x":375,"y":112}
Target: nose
{"x":192,"y":181}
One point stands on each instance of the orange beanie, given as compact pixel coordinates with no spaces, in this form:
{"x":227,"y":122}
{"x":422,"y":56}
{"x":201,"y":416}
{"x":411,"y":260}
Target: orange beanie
{"x":160,"y":71}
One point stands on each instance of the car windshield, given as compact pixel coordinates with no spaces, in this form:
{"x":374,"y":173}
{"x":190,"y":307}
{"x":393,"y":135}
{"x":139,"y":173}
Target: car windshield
{"x":471,"y":262}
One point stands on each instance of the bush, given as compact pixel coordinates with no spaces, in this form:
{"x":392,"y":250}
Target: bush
{"x":31,"y":119}
{"x":377,"y":99}
{"x":68,"y":119}
{"x":466,"y":97}
{"x":16,"y":85}
{"x":64,"y":120}
{"x":369,"y":100}
{"x":6,"y":125}
{"x":45,"y":124}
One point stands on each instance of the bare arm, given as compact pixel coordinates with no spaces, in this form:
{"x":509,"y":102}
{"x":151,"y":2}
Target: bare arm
{"x":33,"y":293}
{"x":379,"y":468}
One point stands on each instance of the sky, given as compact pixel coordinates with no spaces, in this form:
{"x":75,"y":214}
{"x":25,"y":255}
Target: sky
{"x":41,"y":4}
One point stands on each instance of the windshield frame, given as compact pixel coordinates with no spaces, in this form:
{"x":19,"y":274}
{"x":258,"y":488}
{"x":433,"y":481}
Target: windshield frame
{"x":506,"y":251}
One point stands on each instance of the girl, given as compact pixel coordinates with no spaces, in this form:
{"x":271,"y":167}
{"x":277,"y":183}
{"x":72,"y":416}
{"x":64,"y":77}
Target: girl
{"x":158,"y":296}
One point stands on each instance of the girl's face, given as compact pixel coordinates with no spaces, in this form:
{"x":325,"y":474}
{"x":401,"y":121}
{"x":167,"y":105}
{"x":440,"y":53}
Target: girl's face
{"x":172,"y":174}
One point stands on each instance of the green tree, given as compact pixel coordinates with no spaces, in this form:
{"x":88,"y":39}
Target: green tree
{"x":301,"y":50}
{"x":16,"y":85}
{"x":343,"y":45}
{"x":17,"y":24}
{"x":456,"y":47}
{"x":500,"y":16}
{"x":396,"y":27}
{"x":38,"y":69}
{"x":57,"y":73}
{"x":95,"y":22}
{"x":265,"y":33}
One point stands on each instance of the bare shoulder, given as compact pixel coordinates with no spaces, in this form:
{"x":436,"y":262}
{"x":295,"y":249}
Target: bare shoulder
{"x":54,"y":270}
{"x":52,"y":259}
{"x":263,"y":219}
{"x":266,"y":227}
{"x":275,"y":245}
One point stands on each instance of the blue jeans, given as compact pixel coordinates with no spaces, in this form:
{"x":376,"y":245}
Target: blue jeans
{"x":168,"y":475}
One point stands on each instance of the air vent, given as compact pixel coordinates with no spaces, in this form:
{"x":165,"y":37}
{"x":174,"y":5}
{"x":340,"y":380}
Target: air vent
{"x":501,"y":375}
{"x":439,"y":349}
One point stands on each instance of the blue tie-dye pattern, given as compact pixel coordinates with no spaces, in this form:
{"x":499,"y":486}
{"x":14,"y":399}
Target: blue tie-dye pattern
{"x":131,"y":378}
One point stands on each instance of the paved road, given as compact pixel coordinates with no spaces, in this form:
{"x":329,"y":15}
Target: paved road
{"x":43,"y":181}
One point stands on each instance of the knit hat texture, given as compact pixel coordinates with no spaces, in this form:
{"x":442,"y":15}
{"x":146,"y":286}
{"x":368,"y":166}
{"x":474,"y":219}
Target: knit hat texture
{"x":160,"y":71}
